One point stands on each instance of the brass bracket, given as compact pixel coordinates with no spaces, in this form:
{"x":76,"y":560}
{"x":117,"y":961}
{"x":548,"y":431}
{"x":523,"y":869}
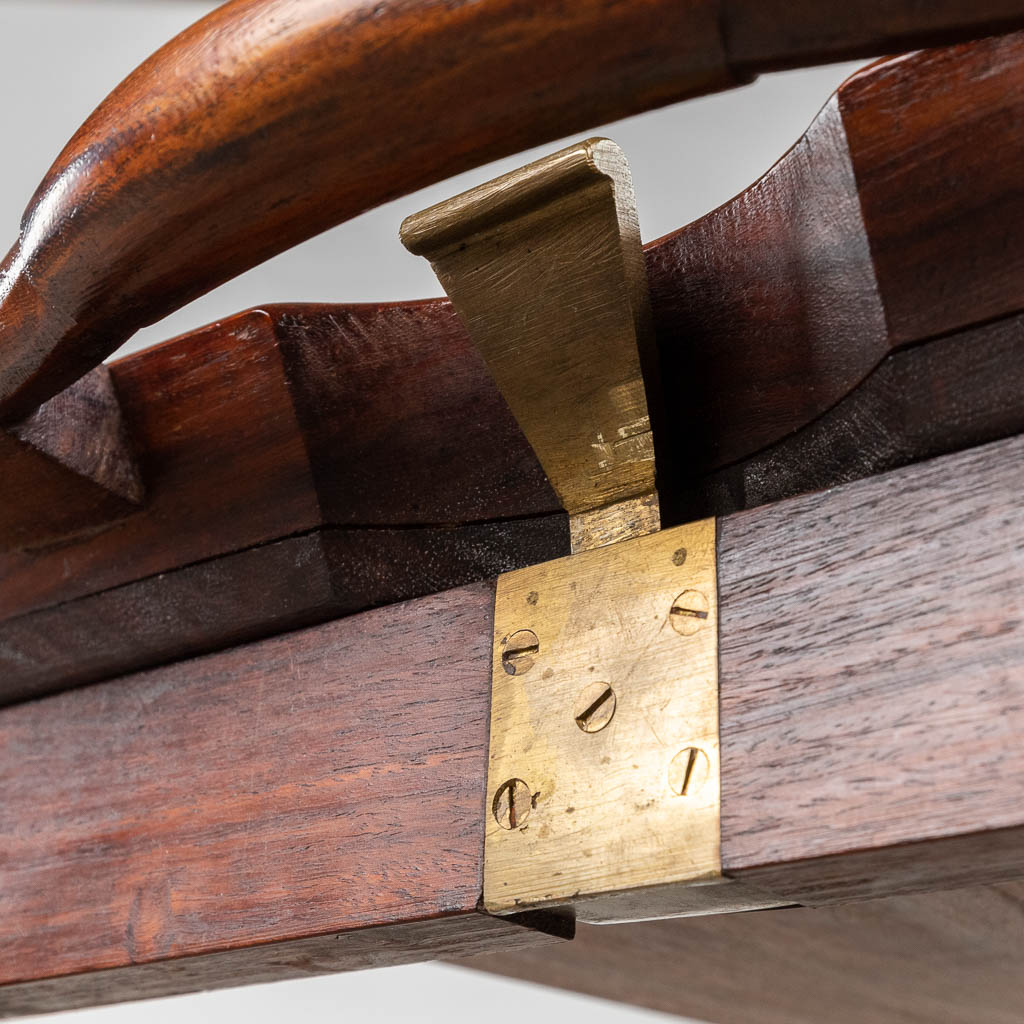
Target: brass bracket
{"x":545,"y":269}
{"x":604,"y":780}
{"x":604,"y":766}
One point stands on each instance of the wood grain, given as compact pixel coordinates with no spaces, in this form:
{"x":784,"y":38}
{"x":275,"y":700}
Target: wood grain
{"x":334,"y":499}
{"x":936,"y":958}
{"x":952,"y":393}
{"x":774,"y":34}
{"x":462,"y":934}
{"x":271,"y":120}
{"x":872,"y":680}
{"x":767,"y":308}
{"x":316,"y":783}
{"x":781,"y":372}
{"x":942,"y":209}
{"x":892,"y":221}
{"x":70,"y":465}
{"x":872,"y":656}
{"x":264,"y":590}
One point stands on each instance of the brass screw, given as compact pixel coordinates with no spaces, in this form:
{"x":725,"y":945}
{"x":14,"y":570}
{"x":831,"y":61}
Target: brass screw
{"x":688,"y":612}
{"x":512,"y":803}
{"x":595,"y":707}
{"x":519,"y":651}
{"x":688,"y":771}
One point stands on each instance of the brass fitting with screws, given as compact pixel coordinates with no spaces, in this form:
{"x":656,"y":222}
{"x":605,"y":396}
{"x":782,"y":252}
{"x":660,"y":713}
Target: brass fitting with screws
{"x":605,"y":697}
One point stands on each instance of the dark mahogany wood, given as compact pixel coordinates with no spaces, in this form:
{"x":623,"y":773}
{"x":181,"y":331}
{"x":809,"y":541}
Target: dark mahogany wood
{"x":948,"y":394}
{"x":872,"y":686}
{"x":287,"y":482}
{"x":899,"y":198}
{"x":278,"y":422}
{"x":286,"y":487}
{"x":263,"y":590}
{"x":872,"y":682}
{"x":941,"y":208}
{"x":462,"y":935}
{"x":264,"y":799}
{"x":333,"y":779}
{"x":271,"y":120}
{"x":68,"y":468}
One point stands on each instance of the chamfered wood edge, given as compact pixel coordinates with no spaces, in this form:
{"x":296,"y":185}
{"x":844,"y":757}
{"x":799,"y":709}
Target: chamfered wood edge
{"x":456,"y":935}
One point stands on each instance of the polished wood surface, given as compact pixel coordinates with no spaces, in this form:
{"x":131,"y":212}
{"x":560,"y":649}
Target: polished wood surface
{"x":782,"y":375}
{"x":70,"y":467}
{"x":271,"y":120}
{"x":899,"y":198}
{"x":872,"y":682}
{"x":312,"y":785}
{"x":333,"y":779}
{"x":951,"y":393}
{"x":286,"y":486}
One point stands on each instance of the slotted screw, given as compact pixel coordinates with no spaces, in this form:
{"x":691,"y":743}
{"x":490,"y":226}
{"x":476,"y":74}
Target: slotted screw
{"x":520,"y":649}
{"x":595,"y":707}
{"x":688,"y":612}
{"x":688,"y":771}
{"x":512,"y":803}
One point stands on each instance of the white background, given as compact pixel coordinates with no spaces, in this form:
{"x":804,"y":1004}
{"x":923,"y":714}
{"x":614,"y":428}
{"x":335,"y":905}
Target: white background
{"x":58,"y":59}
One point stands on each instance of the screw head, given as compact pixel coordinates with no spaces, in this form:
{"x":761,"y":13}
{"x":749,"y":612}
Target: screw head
{"x":512,"y":804}
{"x":688,"y":613}
{"x":688,"y":771}
{"x":519,"y":651}
{"x":594,"y":707}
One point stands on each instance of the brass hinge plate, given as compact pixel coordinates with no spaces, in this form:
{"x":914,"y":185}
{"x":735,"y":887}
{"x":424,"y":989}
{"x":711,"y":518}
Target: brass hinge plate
{"x":604,"y":783}
{"x":604,"y":775}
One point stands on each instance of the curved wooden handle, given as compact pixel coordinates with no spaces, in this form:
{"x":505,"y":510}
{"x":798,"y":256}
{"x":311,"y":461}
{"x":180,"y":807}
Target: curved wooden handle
{"x":271,"y":120}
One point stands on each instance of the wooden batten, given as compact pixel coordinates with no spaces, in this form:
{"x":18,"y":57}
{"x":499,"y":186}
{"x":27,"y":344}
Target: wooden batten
{"x":309,"y":804}
{"x":871,"y":678}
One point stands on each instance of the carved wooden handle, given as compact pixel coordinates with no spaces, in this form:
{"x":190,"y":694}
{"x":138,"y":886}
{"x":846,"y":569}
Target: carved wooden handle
{"x":271,"y":120}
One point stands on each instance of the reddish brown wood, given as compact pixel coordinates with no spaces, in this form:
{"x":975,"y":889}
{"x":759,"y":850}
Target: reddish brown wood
{"x":872,"y":682}
{"x":935,"y":958}
{"x":69,"y":467}
{"x":321,"y":782}
{"x":893,"y":220}
{"x":238,"y":597}
{"x":952,"y":393}
{"x":773,"y":34}
{"x":334,"y":498}
{"x":872,"y":676}
{"x":276,"y":423}
{"x":767,"y":315}
{"x":766,"y":310}
{"x":942,"y":208}
{"x":271,"y":120}
{"x":463,"y":935}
